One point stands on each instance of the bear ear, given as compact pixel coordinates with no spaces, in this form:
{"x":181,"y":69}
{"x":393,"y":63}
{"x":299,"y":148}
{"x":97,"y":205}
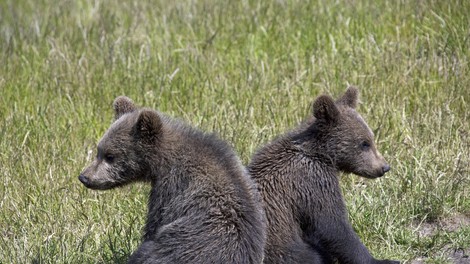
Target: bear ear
{"x":122,"y":105}
{"x":324,"y":108}
{"x":148,"y":126}
{"x":350,"y":97}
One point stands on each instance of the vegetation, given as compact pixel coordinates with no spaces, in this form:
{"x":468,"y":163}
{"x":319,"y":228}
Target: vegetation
{"x":249,"y":71}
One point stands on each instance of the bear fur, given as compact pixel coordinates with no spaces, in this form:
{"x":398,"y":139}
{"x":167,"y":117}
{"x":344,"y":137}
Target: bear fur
{"x":298,"y":178}
{"x":203,"y":206}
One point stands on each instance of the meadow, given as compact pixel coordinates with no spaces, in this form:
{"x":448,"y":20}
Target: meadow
{"x":249,"y":71}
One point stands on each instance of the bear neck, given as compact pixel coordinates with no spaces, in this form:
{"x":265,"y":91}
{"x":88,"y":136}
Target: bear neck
{"x":316,"y":145}
{"x":188,"y":153}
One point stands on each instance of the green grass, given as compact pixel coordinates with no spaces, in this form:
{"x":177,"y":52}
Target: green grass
{"x":248,"y":71}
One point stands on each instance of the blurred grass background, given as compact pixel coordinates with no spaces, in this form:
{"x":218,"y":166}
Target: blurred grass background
{"x":249,"y":71}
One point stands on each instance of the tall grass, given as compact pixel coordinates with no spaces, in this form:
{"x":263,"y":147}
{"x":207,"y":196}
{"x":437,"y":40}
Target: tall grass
{"x":247,"y":70}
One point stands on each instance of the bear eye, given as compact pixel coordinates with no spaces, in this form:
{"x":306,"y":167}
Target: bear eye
{"x":365,"y":145}
{"x":109,"y":158}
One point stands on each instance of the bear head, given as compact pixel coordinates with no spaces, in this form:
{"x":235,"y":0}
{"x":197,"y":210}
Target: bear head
{"x":346,"y":138}
{"x":123,"y":151}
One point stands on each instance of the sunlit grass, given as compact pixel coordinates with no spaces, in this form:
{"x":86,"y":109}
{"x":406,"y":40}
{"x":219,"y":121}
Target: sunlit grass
{"x":247,"y":70}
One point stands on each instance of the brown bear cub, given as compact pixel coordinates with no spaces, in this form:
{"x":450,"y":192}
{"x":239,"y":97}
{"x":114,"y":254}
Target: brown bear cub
{"x":203,"y":206}
{"x":297,"y":176}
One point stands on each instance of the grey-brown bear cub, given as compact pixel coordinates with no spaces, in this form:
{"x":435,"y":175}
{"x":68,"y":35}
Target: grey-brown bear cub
{"x":203,"y":206}
{"x":297,"y":176}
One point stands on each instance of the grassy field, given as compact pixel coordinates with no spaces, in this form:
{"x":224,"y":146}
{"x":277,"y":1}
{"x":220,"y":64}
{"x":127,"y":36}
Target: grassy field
{"x":249,"y":71}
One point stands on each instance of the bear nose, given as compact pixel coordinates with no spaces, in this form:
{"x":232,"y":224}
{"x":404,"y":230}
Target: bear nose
{"x":83,"y":179}
{"x":386,"y":168}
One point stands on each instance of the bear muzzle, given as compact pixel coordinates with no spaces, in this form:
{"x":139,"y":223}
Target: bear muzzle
{"x":94,"y":183}
{"x":385,"y":168}
{"x":83,"y":179}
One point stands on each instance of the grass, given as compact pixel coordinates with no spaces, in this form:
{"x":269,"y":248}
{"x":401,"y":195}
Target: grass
{"x":249,"y":71}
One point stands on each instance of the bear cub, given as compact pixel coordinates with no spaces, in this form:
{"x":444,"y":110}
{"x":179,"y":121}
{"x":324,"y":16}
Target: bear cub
{"x":297,"y":176}
{"x":203,"y":206}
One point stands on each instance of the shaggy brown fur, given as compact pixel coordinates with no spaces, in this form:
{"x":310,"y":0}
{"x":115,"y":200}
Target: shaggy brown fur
{"x":297,"y":176}
{"x":203,"y":206}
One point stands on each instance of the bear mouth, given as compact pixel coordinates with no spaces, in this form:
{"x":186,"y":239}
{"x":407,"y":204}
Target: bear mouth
{"x":369,"y":175}
{"x":372,"y":176}
{"x":94,"y":185}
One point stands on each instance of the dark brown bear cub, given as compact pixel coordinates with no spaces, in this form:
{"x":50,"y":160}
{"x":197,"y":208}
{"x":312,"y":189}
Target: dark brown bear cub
{"x":203,"y":206}
{"x":297,"y":176}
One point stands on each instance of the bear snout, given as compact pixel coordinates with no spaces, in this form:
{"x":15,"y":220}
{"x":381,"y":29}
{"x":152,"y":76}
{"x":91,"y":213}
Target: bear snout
{"x":84,"y":180}
{"x":385,"y":168}
{"x":381,"y":171}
